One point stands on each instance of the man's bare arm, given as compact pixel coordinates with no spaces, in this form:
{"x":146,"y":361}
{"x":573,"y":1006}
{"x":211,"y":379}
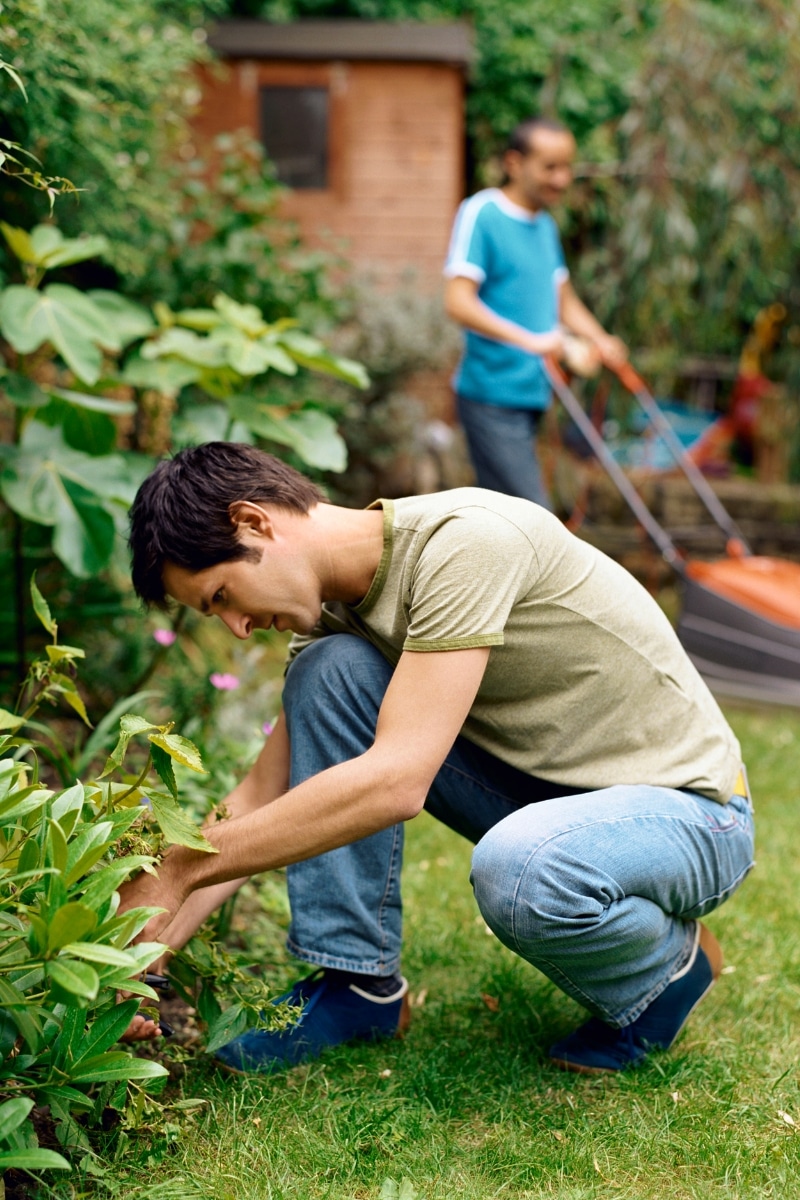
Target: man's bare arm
{"x":425,"y":706}
{"x":267,"y":779}
{"x":463,"y":304}
{"x":577,"y":318}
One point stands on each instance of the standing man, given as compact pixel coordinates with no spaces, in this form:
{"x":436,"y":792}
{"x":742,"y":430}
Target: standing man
{"x":461,"y":652}
{"x":508,"y":286}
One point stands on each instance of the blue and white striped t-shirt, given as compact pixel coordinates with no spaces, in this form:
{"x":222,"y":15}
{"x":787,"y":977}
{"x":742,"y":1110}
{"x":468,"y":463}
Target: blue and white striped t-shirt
{"x":515,"y":257}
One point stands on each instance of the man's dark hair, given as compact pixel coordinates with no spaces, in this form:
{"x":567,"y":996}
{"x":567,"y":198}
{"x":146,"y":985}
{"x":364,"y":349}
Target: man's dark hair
{"x":181,"y":513}
{"x":520,"y":138}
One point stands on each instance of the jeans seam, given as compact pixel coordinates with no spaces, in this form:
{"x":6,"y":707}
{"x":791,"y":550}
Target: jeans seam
{"x":390,"y":880}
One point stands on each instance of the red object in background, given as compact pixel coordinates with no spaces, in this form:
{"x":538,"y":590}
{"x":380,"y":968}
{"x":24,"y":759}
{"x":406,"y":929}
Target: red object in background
{"x":747,"y":392}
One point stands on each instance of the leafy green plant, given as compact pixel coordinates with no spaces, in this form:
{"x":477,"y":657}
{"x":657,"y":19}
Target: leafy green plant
{"x":68,"y":397}
{"x":110,"y":89}
{"x":16,"y":161}
{"x":64,"y":948}
{"x":248,"y":248}
{"x":224,"y":350}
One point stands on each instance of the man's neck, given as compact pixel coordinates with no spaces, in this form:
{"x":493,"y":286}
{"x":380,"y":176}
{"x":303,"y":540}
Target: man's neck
{"x":350,"y":542}
{"x":518,"y":197}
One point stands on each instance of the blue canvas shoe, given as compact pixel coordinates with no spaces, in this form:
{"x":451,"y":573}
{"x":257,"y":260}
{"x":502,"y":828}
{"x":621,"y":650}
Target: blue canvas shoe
{"x":333,"y":1011}
{"x":597,"y":1048}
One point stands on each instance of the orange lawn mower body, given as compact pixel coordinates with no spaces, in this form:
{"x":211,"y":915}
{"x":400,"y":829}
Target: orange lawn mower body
{"x":740,"y":615}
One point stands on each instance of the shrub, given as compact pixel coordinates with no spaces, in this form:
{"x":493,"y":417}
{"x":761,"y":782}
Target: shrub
{"x":65,"y":949}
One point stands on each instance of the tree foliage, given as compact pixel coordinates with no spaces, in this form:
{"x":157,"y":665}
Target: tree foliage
{"x":113,"y":88}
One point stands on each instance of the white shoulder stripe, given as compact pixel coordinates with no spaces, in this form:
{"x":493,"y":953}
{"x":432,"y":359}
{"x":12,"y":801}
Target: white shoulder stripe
{"x":464,"y":225}
{"x":466,"y":270}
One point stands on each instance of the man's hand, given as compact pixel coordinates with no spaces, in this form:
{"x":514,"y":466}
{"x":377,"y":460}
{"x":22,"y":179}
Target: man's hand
{"x":612,"y":350}
{"x":545,"y":343}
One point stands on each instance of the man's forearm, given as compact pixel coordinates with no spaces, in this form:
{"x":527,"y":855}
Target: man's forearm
{"x":340,"y":805}
{"x":268,"y":779}
{"x":463,"y":305}
{"x":576,"y":316}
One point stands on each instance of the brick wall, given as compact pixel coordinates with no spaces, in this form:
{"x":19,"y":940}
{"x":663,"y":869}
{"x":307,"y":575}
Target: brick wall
{"x":396,"y":155}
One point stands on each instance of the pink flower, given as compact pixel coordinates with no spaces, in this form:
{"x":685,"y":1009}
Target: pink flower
{"x":165,"y":637}
{"x":224,"y":682}
{"x":267,"y":728}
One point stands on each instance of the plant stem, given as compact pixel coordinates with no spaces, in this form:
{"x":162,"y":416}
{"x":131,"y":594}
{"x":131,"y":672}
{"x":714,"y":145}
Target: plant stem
{"x":19,"y":598}
{"x":138,"y":782}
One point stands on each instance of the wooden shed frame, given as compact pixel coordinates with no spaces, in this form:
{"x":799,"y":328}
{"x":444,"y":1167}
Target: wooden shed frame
{"x":353,"y":60}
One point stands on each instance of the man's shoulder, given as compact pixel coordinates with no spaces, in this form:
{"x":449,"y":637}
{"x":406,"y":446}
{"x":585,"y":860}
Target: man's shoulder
{"x":483,"y":207}
{"x":475,"y":506}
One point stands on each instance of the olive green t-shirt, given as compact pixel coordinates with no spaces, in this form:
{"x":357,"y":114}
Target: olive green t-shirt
{"x":586,"y":683}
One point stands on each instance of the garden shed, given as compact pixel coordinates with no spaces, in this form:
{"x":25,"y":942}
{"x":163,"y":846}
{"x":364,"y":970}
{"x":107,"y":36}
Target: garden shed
{"x":364,"y":122}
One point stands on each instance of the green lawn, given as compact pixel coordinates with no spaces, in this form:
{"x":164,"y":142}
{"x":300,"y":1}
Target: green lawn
{"x":467,"y":1108}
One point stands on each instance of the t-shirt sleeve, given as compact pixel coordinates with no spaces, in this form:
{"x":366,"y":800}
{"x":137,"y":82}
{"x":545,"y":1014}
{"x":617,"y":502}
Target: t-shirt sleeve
{"x":466,"y":581}
{"x":469,"y":245}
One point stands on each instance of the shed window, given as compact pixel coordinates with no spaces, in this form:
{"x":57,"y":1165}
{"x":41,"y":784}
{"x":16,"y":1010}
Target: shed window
{"x":294,"y":131}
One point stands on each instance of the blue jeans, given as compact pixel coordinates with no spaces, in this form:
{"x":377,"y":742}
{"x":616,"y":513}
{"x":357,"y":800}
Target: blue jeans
{"x":502,"y":446}
{"x":598,"y":890}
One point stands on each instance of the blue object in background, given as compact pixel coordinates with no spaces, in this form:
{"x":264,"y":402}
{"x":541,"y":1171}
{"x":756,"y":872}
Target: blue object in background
{"x":646,"y":449}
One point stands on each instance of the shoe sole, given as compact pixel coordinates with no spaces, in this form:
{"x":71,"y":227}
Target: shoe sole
{"x":713,"y":952}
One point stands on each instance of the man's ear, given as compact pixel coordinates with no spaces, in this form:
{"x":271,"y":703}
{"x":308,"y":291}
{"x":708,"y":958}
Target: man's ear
{"x":247,"y":517}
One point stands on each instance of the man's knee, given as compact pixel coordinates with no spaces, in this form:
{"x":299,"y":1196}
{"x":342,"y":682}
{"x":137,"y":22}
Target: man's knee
{"x":530,"y":892}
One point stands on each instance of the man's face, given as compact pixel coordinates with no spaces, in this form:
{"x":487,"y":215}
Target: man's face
{"x":279,"y":591}
{"x":543,"y":175}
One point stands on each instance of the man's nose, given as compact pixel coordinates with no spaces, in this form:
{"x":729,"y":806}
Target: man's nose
{"x":239,"y":625}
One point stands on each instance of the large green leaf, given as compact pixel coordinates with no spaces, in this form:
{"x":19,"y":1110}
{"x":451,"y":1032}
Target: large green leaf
{"x":12,"y":1114}
{"x":103,"y":883}
{"x":246,"y":355}
{"x":96,"y":952}
{"x":101,"y":1068}
{"x":33,"y":1160}
{"x":77,"y":978}
{"x":52,"y":249}
{"x":175,"y":825}
{"x":23,"y":392}
{"x":200,"y":351}
{"x":243,"y":316}
{"x":62,"y":316}
{"x":311,"y":353}
{"x":197,"y":423}
{"x":228,"y":1025}
{"x":107,"y":1029}
{"x":69,"y":924}
{"x":89,"y":432}
{"x":50,"y":483}
{"x":311,"y":433}
{"x":167,"y":375}
{"x":129,"y":320}
{"x":87,"y":848}
{"x":181,"y":749}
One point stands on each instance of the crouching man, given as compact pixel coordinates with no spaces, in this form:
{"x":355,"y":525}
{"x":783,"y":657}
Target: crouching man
{"x":462,"y":653}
